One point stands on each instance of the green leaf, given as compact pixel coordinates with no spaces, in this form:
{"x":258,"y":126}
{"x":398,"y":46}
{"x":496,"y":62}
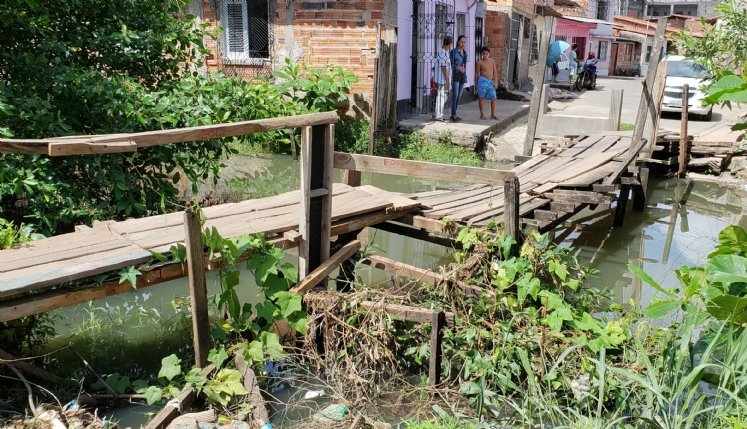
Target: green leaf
{"x":288,"y":303}
{"x":727,"y":269}
{"x":118,"y":383}
{"x":272,"y":346}
{"x":552,"y":300}
{"x":528,"y":286}
{"x":231,"y":381}
{"x":129,"y":274}
{"x":139,"y":386}
{"x":153,"y":395}
{"x":728,"y":307}
{"x":726,"y":82}
{"x":661,"y":308}
{"x":646,"y":278}
{"x":253,"y":353}
{"x":217,"y":356}
{"x":170,"y":367}
{"x":556,"y":318}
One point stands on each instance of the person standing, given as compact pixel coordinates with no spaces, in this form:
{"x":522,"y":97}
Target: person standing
{"x":442,"y":77}
{"x":486,"y":76}
{"x":573,"y":63}
{"x":459,"y":66}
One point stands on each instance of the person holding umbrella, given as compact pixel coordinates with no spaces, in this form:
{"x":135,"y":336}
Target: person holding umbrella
{"x":553,"y":56}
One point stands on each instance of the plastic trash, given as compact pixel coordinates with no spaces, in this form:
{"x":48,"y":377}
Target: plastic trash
{"x":71,"y":407}
{"x":50,"y":417}
{"x":267,"y":426}
{"x":331,"y":414}
{"x":311,"y":394}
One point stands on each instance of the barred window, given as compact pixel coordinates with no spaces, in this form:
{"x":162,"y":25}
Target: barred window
{"x":245,"y":38}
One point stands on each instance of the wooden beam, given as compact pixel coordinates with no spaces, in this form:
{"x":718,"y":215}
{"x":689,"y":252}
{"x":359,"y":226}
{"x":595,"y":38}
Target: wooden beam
{"x":64,"y":149}
{"x":419,"y":169}
{"x":418,"y":234}
{"x":632,"y":154}
{"x":622,"y":202}
{"x":422,"y":275}
{"x":643,"y":105}
{"x":350,"y":177}
{"x":260,"y":416}
{"x":434,"y":363}
{"x":578,"y":197}
{"x":651,"y":127}
{"x":304,"y":222}
{"x":197,"y":287}
{"x":433,"y":225}
{"x":328,"y":145}
{"x":326,"y":267}
{"x":615,"y":109}
{"x":539,"y":80}
{"x":683,"y":131}
{"x":511,"y":213}
{"x":174,"y":407}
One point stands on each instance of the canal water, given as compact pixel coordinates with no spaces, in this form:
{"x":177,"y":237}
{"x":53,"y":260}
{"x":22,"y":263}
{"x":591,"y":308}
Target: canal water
{"x":130,"y":333}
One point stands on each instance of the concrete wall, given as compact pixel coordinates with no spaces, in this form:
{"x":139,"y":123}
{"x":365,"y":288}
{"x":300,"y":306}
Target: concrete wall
{"x":552,"y":124}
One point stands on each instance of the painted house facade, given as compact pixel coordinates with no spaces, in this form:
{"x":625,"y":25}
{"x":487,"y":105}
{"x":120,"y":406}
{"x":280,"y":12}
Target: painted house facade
{"x":635,"y":41}
{"x":589,"y":25}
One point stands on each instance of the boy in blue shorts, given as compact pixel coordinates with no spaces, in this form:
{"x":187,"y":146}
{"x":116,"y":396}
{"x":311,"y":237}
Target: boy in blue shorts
{"x":486,"y":77}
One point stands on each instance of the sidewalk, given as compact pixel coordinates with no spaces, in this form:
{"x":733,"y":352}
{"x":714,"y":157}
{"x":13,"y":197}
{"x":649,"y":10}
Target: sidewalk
{"x":471,"y":129}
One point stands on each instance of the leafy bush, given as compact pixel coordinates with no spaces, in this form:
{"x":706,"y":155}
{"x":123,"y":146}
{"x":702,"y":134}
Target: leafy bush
{"x":352,"y":135}
{"x":320,"y":90}
{"x":415,"y":146}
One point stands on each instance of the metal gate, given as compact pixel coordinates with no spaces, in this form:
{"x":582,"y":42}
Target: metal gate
{"x":432,"y":21}
{"x":245,"y":47}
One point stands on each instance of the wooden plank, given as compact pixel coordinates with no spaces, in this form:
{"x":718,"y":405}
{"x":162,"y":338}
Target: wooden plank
{"x":654,"y":108}
{"x":162,"y":137}
{"x":622,"y":145}
{"x":511,"y":225}
{"x":578,"y":197}
{"x":407,"y":312}
{"x":683,"y":135}
{"x":580,"y":147}
{"x":545,"y":215}
{"x":72,"y":148}
{"x":419,"y":234}
{"x":450,"y":197}
{"x":399,"y":202}
{"x":350,"y":177}
{"x":419,"y":169}
{"x":182,"y":402}
{"x":549,"y":166}
{"x":622,"y":202}
{"x":549,"y":186}
{"x":588,"y":178}
{"x":327,"y":170}
{"x":331,"y":264}
{"x":560,"y":207}
{"x":260,"y":416}
{"x":466,"y":201}
{"x":604,"y":188}
{"x":632,"y":154}
{"x":646,"y":97}
{"x":539,"y":79}
{"x":578,"y":167}
{"x":433,"y":225}
{"x":422,"y":275}
{"x":197,"y":288}
{"x":601,"y":146}
{"x":530,"y":164}
{"x":305,"y":204}
{"x":436,"y":353}
{"x":32,"y":278}
{"x":498,"y":213}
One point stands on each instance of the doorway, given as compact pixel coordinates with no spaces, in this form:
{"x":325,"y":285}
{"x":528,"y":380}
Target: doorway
{"x":613,"y":59}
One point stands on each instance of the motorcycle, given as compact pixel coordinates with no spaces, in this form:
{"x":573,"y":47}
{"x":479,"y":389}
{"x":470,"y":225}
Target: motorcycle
{"x":584,"y":78}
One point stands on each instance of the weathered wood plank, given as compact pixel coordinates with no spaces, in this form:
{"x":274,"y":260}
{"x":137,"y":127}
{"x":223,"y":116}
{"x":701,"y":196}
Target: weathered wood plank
{"x":319,"y":274}
{"x":578,"y":197}
{"x":419,"y":169}
{"x":197,"y":288}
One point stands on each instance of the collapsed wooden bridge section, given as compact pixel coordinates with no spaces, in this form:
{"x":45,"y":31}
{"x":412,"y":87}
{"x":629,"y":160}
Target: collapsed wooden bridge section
{"x":538,"y":194}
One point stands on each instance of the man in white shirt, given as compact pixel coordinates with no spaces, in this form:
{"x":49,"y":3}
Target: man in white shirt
{"x":442,"y":76}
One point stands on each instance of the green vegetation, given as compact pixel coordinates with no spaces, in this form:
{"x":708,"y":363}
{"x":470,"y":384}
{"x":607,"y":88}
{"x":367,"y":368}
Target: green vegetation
{"x":723,"y":52}
{"x":626,"y":126}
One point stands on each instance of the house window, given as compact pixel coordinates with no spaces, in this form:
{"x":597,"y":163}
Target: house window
{"x":527,"y":28}
{"x":603,"y":10}
{"x":461,"y":22}
{"x":534,"y":55}
{"x":245,"y":37}
{"x":628,"y":53}
{"x":442,"y":25}
{"x":648,"y":53}
{"x":603,"y":47}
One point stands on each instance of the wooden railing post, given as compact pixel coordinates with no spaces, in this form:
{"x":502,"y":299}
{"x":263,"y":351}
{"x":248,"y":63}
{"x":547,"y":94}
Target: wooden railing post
{"x":197,"y":287}
{"x":539,"y":80}
{"x":616,"y":104}
{"x":511,"y":213}
{"x":350,"y":177}
{"x":438,"y":320}
{"x":683,"y":130}
{"x":315,"y":223}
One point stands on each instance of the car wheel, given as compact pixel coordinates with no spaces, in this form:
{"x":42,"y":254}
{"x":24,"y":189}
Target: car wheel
{"x":708,"y":116}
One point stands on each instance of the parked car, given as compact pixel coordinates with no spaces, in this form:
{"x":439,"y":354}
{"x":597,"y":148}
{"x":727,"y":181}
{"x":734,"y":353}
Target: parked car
{"x":682,"y":71}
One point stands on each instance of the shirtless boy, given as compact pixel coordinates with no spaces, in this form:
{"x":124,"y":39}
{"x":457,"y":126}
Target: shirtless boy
{"x":486,"y":76}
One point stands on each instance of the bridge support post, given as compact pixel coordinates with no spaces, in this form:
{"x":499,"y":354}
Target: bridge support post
{"x":622,"y":202}
{"x":346,"y":276}
{"x":511,"y":213}
{"x":197,"y":287}
{"x":315,"y":224}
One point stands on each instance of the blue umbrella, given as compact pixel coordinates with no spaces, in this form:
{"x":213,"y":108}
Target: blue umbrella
{"x":556,"y":48}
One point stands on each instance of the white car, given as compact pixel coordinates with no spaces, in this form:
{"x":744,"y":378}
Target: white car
{"x":682,"y":71}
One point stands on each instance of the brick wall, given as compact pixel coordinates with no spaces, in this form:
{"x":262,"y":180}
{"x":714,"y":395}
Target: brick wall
{"x":317,"y":32}
{"x":581,"y":12}
{"x":497,"y":26}
{"x":522,"y":6}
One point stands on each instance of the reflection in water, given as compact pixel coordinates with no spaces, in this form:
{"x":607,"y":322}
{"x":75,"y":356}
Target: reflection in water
{"x":660,"y":239}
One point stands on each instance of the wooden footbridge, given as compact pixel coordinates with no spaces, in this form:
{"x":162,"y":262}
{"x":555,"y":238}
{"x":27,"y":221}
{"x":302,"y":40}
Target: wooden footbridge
{"x":539,"y":194}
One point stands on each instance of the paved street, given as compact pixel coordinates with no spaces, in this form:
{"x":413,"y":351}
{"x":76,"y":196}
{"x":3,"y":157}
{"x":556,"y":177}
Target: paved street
{"x":596,"y":103}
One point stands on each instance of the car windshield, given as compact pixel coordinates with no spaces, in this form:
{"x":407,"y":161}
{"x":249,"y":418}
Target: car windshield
{"x":684,"y":69}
